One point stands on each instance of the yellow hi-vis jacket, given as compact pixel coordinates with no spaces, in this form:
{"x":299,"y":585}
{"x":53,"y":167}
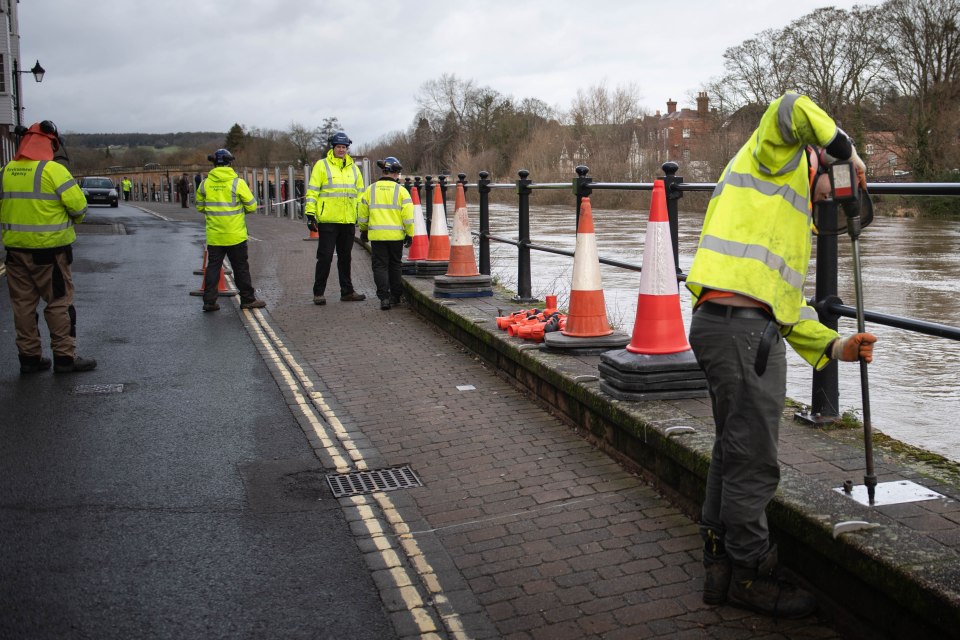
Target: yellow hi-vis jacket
{"x":335,"y":184}
{"x":756,"y":234}
{"x":224,"y":198}
{"x":40,"y":204}
{"x":127,"y":184}
{"x":386,"y":211}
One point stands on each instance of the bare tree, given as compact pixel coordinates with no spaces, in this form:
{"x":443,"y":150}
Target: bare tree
{"x":758,"y":70}
{"x":923,"y":59}
{"x":303,"y":140}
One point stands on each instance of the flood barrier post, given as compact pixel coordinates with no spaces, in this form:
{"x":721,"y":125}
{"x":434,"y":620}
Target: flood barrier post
{"x":483,"y":187}
{"x":523,"y":237}
{"x":673,"y":196}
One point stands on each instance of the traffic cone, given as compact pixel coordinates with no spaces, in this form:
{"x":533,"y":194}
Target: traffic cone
{"x":439,"y":249}
{"x":587,"y":315}
{"x":463,"y":261}
{"x":420,"y":243}
{"x":658,"y":364}
{"x":222,"y":288}
{"x":314,"y":235}
{"x":658,"y":327}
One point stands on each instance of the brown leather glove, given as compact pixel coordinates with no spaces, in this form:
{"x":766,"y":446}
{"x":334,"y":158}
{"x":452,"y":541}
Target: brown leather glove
{"x":852,"y":348}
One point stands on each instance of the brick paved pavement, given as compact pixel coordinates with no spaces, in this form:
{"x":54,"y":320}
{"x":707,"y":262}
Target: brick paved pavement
{"x":532,"y":532}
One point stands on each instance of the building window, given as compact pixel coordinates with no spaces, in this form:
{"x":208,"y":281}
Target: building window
{"x":3,"y":73}
{"x":686,"y":155}
{"x":686,"y":133}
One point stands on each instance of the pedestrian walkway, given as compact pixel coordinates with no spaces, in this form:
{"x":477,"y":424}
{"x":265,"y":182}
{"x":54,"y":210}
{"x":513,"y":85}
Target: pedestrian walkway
{"x":522,"y":528}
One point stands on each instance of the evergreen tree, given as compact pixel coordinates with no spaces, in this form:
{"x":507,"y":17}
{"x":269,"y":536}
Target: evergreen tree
{"x":235,"y":139}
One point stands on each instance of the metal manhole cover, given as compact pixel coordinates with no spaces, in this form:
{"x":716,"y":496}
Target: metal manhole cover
{"x":90,"y":389}
{"x":359,"y":482}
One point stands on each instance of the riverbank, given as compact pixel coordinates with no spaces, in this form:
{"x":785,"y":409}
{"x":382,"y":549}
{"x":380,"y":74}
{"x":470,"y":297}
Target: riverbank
{"x":902,"y":573}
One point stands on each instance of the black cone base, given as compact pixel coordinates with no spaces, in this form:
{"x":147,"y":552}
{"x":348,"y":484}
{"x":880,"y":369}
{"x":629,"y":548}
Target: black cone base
{"x":636,"y":376}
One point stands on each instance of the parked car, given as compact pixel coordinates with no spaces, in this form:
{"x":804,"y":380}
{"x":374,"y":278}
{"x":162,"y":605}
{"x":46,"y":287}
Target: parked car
{"x":100,"y":191}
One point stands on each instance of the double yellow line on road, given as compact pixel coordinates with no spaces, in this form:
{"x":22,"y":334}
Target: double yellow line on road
{"x":416,"y":584}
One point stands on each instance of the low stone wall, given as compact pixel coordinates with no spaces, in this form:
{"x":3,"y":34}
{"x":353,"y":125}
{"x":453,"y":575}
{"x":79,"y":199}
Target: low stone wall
{"x":891,"y":579}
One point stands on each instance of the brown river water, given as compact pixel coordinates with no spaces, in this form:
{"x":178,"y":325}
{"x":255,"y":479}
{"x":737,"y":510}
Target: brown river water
{"x":910,"y":268}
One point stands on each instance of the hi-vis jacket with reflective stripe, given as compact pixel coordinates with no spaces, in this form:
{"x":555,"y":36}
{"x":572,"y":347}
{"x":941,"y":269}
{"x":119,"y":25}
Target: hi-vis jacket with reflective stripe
{"x":224,"y":198}
{"x":386,"y":211}
{"x":335,"y":184}
{"x":40,"y":204}
{"x":756,"y":234}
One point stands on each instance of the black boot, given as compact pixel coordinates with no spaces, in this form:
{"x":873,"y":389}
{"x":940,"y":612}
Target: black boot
{"x":66,"y":364}
{"x":761,"y":589}
{"x":33,"y":364}
{"x":716,"y":567}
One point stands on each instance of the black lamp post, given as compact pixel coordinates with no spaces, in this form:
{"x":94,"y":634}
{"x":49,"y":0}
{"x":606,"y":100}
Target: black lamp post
{"x":37,"y":72}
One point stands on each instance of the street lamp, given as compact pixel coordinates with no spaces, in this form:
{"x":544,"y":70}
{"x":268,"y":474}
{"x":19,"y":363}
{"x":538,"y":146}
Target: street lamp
{"x":37,"y":72}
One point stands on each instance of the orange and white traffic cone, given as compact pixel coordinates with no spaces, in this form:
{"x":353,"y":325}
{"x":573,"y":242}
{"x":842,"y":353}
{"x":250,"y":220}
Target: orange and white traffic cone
{"x":587,"y":316}
{"x":658,"y":327}
{"x":463,"y":261}
{"x":463,"y":279}
{"x":658,"y":363}
{"x":222,"y":288}
{"x":314,"y":235}
{"x":420,"y":243}
{"x":439,"y":249}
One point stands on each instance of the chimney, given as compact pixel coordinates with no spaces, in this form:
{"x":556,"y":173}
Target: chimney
{"x":703,"y":104}
{"x":671,"y":106}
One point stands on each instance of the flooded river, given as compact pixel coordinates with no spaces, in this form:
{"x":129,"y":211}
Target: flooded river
{"x":911,"y":268}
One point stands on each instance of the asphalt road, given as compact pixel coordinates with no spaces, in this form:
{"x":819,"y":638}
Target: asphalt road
{"x":169,"y":493}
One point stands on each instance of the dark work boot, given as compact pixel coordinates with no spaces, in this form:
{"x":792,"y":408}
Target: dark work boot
{"x":353,"y":297}
{"x":33,"y":364}
{"x":716,"y":567}
{"x":66,"y":364}
{"x":385,"y":304}
{"x":761,"y":589}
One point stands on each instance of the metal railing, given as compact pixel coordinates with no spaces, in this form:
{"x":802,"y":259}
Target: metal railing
{"x":826,"y":301}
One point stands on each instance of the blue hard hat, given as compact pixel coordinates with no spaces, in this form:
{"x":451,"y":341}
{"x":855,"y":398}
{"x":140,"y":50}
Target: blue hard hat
{"x":339,"y":138}
{"x":390,"y":165}
{"x":221,"y":158}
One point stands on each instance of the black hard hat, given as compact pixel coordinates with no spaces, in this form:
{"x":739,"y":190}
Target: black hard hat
{"x":221,"y":158}
{"x":339,"y":138}
{"x":390,"y":165}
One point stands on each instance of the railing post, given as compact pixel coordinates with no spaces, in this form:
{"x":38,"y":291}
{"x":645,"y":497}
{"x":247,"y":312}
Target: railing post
{"x":276,"y":188}
{"x":673,"y":195}
{"x":581,"y":187}
{"x":291,"y":194}
{"x":825,"y":394}
{"x":442,"y":179}
{"x":523,"y":236}
{"x":427,"y":201}
{"x":483,"y":187}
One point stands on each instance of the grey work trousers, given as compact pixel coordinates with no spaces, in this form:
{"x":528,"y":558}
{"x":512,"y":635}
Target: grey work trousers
{"x":744,"y":469}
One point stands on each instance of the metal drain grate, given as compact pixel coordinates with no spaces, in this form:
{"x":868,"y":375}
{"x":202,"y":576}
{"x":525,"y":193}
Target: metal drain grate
{"x":90,"y":389}
{"x":358,"y":482}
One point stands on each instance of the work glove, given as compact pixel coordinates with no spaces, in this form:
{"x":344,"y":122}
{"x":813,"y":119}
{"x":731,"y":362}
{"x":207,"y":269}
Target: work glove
{"x":852,"y":348}
{"x":311,"y":224}
{"x":407,"y":241}
{"x":860,"y":167}
{"x":363,"y":237}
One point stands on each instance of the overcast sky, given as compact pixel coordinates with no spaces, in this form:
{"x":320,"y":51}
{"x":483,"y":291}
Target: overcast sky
{"x":201,"y":65}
